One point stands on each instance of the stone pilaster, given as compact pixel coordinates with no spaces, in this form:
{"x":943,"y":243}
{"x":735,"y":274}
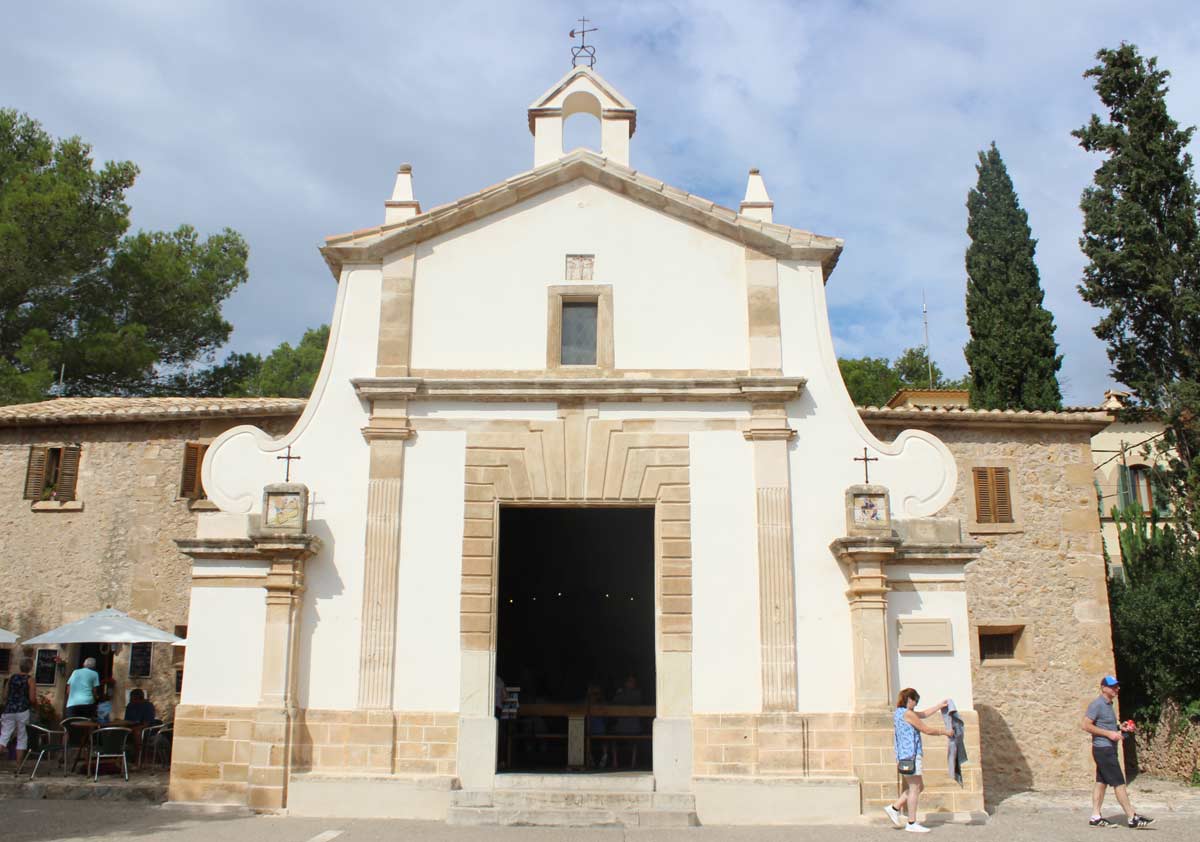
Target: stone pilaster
{"x":769,"y":434}
{"x":377,"y":652}
{"x":762,"y":302}
{"x":271,"y":734}
{"x":866,"y":557}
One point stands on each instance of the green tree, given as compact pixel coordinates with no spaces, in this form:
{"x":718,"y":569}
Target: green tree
{"x":1142,"y":240}
{"x":1012,"y":355}
{"x":117,"y":313}
{"x":291,"y":372}
{"x":870,"y":380}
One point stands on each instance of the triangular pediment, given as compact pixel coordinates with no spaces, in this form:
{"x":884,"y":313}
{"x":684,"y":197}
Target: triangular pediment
{"x":371,"y":245}
{"x":610,"y":97}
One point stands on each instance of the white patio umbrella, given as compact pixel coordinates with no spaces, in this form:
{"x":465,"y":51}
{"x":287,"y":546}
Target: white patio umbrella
{"x":7,"y":637}
{"x":107,"y":626}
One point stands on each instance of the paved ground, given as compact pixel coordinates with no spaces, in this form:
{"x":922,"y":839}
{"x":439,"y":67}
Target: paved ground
{"x":110,"y":821}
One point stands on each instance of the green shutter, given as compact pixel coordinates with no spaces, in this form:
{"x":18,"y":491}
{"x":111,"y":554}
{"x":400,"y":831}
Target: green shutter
{"x":1125,"y":497}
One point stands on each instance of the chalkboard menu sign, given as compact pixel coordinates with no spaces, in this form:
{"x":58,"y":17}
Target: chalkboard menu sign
{"x":139,"y":660}
{"x":44,"y":671}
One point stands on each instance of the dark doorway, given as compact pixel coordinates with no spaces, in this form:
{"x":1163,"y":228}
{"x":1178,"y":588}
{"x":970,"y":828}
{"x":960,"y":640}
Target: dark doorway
{"x":576,"y":624}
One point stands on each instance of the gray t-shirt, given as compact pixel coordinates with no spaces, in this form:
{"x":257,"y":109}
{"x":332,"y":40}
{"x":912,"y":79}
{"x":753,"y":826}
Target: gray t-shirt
{"x":1101,"y":712}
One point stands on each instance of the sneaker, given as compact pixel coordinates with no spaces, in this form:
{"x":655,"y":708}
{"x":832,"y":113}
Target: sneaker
{"x":1140,"y":821}
{"x":1100,"y":821}
{"x":916,"y":827}
{"x":894,"y":815}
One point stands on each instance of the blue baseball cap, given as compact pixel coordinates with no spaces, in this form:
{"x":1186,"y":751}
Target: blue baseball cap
{"x":1109,"y":681}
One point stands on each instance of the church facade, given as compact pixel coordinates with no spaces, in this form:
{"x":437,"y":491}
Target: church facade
{"x":583,"y":337}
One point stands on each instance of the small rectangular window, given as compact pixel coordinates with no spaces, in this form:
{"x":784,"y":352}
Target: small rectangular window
{"x":139,"y":660}
{"x":579,"y":332}
{"x":52,"y":473}
{"x":191,"y":483}
{"x":1000,"y":643}
{"x":179,"y":681}
{"x":5,"y":660}
{"x":993,"y":497}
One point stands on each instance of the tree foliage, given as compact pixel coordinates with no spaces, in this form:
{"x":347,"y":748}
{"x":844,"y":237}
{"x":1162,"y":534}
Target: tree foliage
{"x":1156,"y":615}
{"x":1142,"y":240}
{"x":872,"y":381}
{"x":292,"y":372}
{"x":113,"y":313}
{"x":1012,"y":355}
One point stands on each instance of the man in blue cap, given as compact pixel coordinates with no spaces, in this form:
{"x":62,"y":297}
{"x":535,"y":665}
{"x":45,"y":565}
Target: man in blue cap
{"x":1101,"y":722}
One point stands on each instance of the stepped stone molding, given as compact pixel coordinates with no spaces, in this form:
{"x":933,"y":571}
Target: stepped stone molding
{"x":582,"y":460}
{"x":613,"y":388}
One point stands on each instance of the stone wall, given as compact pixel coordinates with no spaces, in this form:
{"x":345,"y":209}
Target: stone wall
{"x":1170,"y":749}
{"x":376,"y":741}
{"x":116,"y":548}
{"x":1044,"y":572}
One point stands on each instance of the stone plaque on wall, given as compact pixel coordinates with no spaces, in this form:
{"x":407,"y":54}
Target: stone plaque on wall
{"x":868,"y":510}
{"x":924,"y":635}
{"x":285,"y":507}
{"x":579,"y":267}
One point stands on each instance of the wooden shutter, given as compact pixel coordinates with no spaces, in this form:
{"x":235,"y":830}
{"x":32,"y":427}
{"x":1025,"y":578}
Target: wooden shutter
{"x":191,"y":485}
{"x":68,"y":473}
{"x":993,"y":497}
{"x":1001,"y":496}
{"x":35,"y":473}
{"x":1124,"y":487}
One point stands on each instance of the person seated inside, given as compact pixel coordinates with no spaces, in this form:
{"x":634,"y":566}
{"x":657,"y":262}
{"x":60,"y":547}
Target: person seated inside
{"x":139,"y":710}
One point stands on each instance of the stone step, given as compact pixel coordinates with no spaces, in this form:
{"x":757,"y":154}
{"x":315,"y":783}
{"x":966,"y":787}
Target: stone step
{"x":504,"y":816}
{"x":590,"y":781}
{"x":530,"y":799}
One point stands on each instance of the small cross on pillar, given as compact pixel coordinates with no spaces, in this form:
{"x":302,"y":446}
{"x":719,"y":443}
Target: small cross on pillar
{"x":865,"y":459}
{"x":289,"y":459}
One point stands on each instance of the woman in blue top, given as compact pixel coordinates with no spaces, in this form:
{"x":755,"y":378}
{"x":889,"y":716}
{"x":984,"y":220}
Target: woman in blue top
{"x":910,"y":725}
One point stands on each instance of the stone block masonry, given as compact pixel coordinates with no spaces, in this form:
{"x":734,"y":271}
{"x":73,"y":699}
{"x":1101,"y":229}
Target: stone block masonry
{"x":376,"y":742}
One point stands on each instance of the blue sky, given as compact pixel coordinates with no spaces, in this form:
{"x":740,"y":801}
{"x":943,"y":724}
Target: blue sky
{"x":286,"y":121}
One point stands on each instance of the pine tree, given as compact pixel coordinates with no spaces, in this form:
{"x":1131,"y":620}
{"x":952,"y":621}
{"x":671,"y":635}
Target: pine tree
{"x":1012,"y":354}
{"x":1142,"y":240}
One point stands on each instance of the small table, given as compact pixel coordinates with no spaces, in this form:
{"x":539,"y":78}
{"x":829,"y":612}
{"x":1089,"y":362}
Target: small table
{"x":576,"y":715}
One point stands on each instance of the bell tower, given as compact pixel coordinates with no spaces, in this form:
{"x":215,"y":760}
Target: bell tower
{"x":582,"y":90}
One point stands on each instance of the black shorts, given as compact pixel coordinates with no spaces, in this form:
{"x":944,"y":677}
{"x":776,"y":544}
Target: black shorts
{"x":1108,"y":770}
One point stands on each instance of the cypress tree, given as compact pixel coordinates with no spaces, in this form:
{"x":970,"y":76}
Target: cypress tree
{"x":1012,"y":354}
{"x":1142,"y":240}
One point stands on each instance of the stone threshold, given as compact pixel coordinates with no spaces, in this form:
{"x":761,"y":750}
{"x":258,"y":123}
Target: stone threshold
{"x":79,"y":789}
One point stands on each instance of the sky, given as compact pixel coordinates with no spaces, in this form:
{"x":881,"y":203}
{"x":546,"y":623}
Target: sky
{"x":286,"y":122}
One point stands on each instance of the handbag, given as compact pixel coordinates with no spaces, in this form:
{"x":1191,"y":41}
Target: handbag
{"x":907,"y":765}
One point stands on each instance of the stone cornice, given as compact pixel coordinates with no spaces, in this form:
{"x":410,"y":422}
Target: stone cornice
{"x":260,"y":546}
{"x":750,"y":388}
{"x":371,"y":245}
{"x":769,"y":434}
{"x":1090,"y":423}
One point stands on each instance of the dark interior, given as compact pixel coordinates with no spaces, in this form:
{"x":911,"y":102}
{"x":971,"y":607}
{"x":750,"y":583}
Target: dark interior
{"x":576,"y":611}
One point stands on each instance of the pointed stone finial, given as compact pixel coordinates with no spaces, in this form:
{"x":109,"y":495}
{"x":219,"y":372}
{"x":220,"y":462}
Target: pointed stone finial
{"x":402,"y":205}
{"x":757,"y":204}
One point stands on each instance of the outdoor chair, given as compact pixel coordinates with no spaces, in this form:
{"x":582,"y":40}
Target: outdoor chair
{"x":44,"y":742}
{"x":109,"y":743}
{"x":149,"y":739}
{"x":75,"y":731}
{"x":161,"y":745}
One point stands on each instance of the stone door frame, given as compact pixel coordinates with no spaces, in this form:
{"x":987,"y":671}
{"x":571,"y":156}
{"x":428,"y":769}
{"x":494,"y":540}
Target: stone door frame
{"x":578,"y":462}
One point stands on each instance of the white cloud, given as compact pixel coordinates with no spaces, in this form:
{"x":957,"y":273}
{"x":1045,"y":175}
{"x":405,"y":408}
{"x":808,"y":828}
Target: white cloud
{"x":286,"y":121}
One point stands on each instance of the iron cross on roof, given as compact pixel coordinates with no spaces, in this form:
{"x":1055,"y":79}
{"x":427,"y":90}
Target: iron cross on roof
{"x":865,"y":459}
{"x":583,"y":52}
{"x":288,"y":460}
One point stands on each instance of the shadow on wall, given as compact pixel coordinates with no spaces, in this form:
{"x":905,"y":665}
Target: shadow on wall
{"x":1005,"y":770}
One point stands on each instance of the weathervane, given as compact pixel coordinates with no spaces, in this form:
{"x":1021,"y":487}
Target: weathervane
{"x":583,"y":52}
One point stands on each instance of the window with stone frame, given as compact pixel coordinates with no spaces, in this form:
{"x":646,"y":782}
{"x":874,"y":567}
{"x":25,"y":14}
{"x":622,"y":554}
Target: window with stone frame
{"x":1002,"y":644}
{"x":579,"y":336}
{"x":993,"y":496}
{"x":191,"y":483}
{"x":52,"y":473}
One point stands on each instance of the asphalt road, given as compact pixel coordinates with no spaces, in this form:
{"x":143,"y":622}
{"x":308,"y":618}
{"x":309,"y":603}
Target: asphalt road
{"x":112,"y":821}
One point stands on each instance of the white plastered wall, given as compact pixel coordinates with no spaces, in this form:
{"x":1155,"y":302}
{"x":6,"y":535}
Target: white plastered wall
{"x":917,"y":468}
{"x":334,"y":465}
{"x":726,"y":635}
{"x":430,"y":580}
{"x":679,"y":292}
{"x":935,"y":675}
{"x":221,"y":668}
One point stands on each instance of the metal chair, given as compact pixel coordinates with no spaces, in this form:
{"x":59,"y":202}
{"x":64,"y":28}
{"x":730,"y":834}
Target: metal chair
{"x":74,"y":737}
{"x":162,"y":743}
{"x":109,"y":743}
{"x":149,"y":737}
{"x":44,"y":741}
